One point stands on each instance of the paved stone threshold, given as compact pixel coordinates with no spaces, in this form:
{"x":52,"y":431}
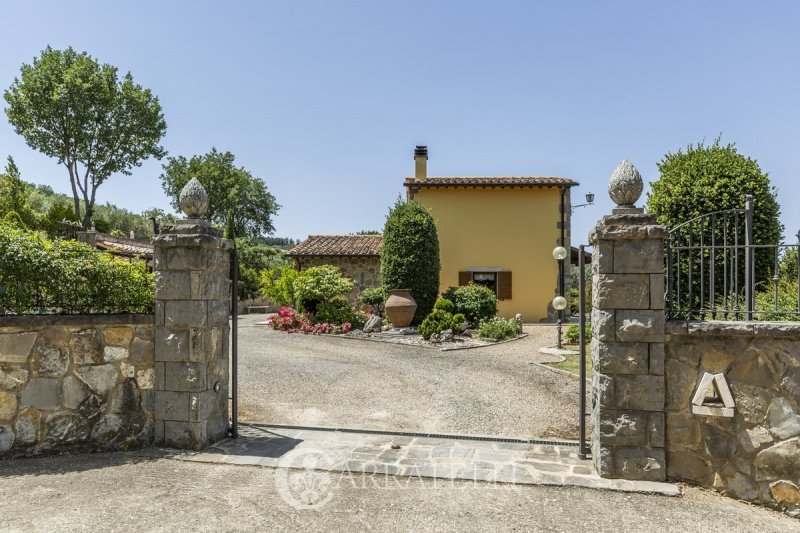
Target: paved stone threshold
{"x":451,"y":458}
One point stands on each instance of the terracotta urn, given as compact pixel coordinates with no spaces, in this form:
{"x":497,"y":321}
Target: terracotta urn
{"x":400,"y":308}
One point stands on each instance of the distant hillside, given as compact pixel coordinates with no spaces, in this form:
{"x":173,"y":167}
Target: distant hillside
{"x":51,"y":207}
{"x":108,"y":218}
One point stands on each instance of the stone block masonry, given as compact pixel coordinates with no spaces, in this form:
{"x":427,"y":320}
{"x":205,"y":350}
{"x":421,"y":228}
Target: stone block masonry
{"x":192,"y":333}
{"x":628,"y":347}
{"x":75,"y":383}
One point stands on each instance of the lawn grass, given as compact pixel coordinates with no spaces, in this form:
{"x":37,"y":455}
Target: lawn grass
{"x":572,"y":362}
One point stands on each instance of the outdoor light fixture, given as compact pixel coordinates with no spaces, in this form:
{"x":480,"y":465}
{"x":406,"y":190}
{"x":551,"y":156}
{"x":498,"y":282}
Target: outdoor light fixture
{"x":559,"y":302}
{"x":589,"y":201}
{"x":559,"y":253}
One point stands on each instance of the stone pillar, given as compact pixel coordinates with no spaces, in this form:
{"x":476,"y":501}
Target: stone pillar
{"x":192,"y":268}
{"x":89,"y":237}
{"x":628,"y":337}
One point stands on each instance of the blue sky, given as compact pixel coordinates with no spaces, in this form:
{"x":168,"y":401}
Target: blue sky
{"x":325,"y":100}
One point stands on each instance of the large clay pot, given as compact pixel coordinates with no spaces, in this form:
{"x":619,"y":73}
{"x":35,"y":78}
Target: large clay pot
{"x":400,"y":308}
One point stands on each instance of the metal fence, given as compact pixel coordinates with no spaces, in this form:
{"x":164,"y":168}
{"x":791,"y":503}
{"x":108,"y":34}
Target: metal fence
{"x":716,"y":272}
{"x":75,"y":281}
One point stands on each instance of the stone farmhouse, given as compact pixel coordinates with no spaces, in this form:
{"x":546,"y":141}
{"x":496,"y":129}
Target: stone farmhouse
{"x":357,"y":256}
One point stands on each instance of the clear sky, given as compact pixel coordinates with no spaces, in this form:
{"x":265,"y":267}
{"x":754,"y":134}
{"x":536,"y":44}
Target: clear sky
{"x":325,"y":100}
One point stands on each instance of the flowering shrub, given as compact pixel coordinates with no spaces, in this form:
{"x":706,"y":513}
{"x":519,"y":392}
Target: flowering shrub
{"x":287,"y":319}
{"x":290,"y":321}
{"x":499,"y":328}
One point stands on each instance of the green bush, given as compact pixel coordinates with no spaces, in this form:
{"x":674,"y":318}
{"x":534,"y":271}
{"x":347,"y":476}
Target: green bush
{"x":444,"y":304}
{"x":475,"y":302}
{"x":436,"y":322}
{"x":374,"y":298}
{"x":319,"y":284}
{"x":498,"y":328}
{"x":459,"y":319}
{"x":572,"y":333}
{"x":338,"y":312}
{"x":787,"y":301}
{"x":277,"y":284}
{"x":410,"y":255}
{"x":38,"y":275}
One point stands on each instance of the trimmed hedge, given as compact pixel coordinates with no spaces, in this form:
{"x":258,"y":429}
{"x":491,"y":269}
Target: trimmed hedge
{"x":410,"y":255}
{"x":38,"y":275}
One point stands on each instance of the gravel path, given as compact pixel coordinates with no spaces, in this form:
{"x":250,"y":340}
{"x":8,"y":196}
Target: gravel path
{"x":123,"y":492}
{"x":341,"y":382}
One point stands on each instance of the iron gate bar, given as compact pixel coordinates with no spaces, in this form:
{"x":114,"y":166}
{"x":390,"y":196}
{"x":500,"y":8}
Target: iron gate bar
{"x":448,"y":436}
{"x":234,"y":429}
{"x":749,"y":256}
{"x":582,"y":354}
{"x":720,"y":244}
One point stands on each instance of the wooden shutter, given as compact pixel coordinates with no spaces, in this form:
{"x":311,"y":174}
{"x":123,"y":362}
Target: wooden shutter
{"x":504,"y":285}
{"x":464,"y":278}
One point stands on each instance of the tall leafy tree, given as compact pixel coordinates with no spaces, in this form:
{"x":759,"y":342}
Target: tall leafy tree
{"x":704,"y":179}
{"x":237,"y":200}
{"x":15,"y":195}
{"x":80,"y":112}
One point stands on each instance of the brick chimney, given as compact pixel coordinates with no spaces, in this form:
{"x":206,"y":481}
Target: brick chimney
{"x":421,"y":163}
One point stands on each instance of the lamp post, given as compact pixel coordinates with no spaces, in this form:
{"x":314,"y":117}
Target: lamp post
{"x":589,"y":201}
{"x":559,"y":302}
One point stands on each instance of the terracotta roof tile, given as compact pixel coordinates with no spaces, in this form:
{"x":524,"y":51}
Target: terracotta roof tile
{"x":126,"y":248}
{"x":483,"y":181}
{"x":338,"y":245}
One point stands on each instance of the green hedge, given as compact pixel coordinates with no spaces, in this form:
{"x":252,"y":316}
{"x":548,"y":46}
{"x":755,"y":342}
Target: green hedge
{"x":38,"y":275}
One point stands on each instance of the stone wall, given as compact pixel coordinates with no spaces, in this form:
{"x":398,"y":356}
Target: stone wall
{"x":365,"y":271}
{"x":75,"y":383}
{"x":755,"y":454}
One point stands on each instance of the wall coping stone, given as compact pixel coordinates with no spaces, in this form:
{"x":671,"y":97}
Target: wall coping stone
{"x":739,"y":329}
{"x":191,"y":240}
{"x":17,"y":321}
{"x":191,"y":226}
{"x":629,"y":227}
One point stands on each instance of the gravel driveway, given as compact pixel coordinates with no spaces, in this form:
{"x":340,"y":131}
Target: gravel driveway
{"x":342,"y":382}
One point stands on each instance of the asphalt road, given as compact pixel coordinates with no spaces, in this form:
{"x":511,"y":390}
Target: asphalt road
{"x":126,"y":492}
{"x":339,"y":382}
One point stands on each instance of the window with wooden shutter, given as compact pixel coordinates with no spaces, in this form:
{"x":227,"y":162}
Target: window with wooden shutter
{"x":464,"y":278}
{"x":504,"y":285}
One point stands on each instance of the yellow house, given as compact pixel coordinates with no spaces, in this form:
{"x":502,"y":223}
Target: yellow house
{"x":500,"y":232}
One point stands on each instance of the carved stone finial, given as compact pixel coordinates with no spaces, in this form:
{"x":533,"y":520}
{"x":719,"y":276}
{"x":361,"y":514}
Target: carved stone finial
{"x":625,"y":185}
{"x":194,"y":199}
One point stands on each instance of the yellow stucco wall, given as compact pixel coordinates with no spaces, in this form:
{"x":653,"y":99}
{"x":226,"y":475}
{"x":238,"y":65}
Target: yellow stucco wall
{"x":503,"y":228}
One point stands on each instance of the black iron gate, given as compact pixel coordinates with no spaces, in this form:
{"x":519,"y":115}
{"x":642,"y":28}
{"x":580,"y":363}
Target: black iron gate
{"x":582,"y":448}
{"x":234,"y":361}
